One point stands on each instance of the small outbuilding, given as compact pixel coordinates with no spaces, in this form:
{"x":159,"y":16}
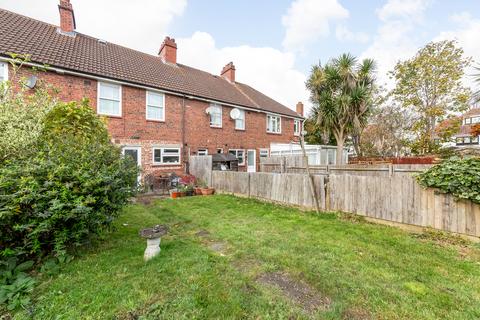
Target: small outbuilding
{"x":224,"y":162}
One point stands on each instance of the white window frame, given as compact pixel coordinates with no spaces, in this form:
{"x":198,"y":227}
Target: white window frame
{"x":5,"y":70}
{"x":202,"y":152}
{"x":475,"y":120}
{"x":100,"y":83}
{"x":468,"y":120}
{"x":242,"y":113}
{"x":236,"y":155}
{"x":219,"y":107}
{"x":162,"y":154}
{"x":279,"y":119}
{"x":263,"y":150}
{"x":153,"y":106}
{"x":221,"y":150}
{"x":297,"y":127}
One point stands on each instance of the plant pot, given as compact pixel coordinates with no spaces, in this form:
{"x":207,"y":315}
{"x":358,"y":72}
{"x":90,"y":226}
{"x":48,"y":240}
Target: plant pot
{"x":189,"y":193}
{"x":182,"y":194}
{"x":207,"y":191}
{"x":198,"y":191}
{"x":175,"y":194}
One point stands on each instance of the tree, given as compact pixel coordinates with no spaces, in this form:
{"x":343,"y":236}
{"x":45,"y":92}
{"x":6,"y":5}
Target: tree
{"x":475,"y":130}
{"x":387,"y":133}
{"x":341,"y":92}
{"x":430,"y":84}
{"x":447,"y":128}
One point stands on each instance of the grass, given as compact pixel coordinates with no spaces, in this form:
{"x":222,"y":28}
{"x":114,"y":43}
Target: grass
{"x":366,"y":271}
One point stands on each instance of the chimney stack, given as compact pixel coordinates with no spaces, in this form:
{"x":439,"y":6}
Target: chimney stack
{"x":228,"y":72}
{"x":168,"y":51}
{"x":67,"y":17}
{"x":300,"y":108}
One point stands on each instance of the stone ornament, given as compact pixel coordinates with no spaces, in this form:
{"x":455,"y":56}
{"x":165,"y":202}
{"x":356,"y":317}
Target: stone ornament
{"x":153,"y":236}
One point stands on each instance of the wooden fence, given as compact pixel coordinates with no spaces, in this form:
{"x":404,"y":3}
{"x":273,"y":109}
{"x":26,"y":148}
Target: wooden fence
{"x":201,"y":167}
{"x":375,"y":194}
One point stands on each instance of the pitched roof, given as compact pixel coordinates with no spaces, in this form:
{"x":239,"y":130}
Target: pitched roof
{"x":85,"y":54}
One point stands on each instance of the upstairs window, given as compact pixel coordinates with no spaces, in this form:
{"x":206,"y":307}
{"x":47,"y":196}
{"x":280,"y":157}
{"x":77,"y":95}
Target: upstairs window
{"x":3,"y":71}
{"x":296,"y":127}
{"x":240,"y":122}
{"x":215,"y":116}
{"x":155,"y":106}
{"x":202,"y":152}
{"x":109,"y":99}
{"x":166,"y":155}
{"x":274,"y":124}
{"x":240,"y":154}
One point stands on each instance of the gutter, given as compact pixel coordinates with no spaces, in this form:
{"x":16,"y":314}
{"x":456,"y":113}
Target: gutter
{"x":94,"y":77}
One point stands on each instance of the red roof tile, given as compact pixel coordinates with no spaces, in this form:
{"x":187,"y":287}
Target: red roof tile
{"x":85,"y":54}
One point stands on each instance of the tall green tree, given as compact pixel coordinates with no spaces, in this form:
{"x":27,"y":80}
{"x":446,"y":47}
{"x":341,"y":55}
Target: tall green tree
{"x":341,"y":92}
{"x":430,"y":85}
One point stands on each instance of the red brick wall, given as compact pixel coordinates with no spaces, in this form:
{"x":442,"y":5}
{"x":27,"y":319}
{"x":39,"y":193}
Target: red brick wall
{"x":133,"y":129}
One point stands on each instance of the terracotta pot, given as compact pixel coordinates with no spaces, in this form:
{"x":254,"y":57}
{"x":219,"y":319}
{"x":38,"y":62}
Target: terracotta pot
{"x":175,"y":194}
{"x":207,"y":191}
{"x":198,"y":191}
{"x":182,"y":194}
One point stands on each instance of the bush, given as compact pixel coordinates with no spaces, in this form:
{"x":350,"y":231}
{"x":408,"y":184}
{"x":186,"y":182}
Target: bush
{"x":459,"y":177}
{"x":71,"y":188}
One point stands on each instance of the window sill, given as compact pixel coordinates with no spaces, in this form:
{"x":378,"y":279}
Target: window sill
{"x":166,"y":165}
{"x":216,"y":127}
{"x":239,"y":129}
{"x":157,"y":121}
{"x":110,"y":115}
{"x":277,"y":133}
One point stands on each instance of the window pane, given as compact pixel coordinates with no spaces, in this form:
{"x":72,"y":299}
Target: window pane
{"x":157,"y":155}
{"x":171,"y":151}
{"x":132,"y":153}
{"x":155,"y":113}
{"x":109,"y":91}
{"x":109,"y":107}
{"x":3,"y":68}
{"x":234,"y":152}
{"x":155,"y":99}
{"x":171,"y":159}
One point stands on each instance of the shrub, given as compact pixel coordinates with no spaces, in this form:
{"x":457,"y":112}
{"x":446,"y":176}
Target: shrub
{"x":460,"y":177}
{"x":71,"y":188}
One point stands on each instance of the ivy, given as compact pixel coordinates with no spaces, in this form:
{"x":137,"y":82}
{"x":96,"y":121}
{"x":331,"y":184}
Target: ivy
{"x":459,"y":177}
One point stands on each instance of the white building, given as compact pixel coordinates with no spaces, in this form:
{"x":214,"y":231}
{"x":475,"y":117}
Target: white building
{"x":317,"y":154}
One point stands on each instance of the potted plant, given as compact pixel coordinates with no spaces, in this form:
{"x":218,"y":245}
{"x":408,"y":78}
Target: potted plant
{"x":198,"y":187}
{"x":189,"y":190}
{"x":206,"y":191}
{"x":183,"y":190}
{"x":175,"y":193}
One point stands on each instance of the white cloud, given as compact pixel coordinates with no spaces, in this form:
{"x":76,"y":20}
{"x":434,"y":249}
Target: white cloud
{"x":344,"y":34}
{"x":308,"y":20}
{"x":406,"y":9}
{"x":466,"y":34}
{"x":266,"y":69}
{"x":140,"y":24}
{"x":396,"y":38}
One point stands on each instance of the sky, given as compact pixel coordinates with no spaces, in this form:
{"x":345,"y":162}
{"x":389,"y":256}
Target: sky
{"x":274,"y":43}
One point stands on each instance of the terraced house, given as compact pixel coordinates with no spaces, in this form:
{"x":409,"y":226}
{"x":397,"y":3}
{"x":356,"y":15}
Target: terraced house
{"x":158,"y":110}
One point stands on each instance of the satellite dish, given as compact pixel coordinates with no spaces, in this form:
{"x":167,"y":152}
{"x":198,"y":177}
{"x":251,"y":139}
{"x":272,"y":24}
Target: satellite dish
{"x":31,"y":82}
{"x":235,"y":114}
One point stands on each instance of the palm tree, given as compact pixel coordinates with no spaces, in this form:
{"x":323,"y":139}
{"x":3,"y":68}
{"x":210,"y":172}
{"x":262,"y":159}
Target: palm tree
{"x":341,"y":92}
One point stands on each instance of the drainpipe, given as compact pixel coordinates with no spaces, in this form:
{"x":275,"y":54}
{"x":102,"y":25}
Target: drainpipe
{"x":183,"y":136}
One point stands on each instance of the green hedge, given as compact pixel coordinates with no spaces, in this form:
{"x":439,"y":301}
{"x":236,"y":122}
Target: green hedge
{"x":459,"y":177}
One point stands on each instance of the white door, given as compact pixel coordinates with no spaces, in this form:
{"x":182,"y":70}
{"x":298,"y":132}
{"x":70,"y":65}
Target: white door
{"x":136,"y":154}
{"x":251,"y":161}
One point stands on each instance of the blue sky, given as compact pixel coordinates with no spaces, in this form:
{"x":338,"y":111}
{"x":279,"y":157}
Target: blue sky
{"x":273,"y":43}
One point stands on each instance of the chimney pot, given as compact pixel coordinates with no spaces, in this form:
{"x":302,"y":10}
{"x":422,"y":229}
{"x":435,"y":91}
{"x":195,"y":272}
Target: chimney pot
{"x":228,"y":72}
{"x":300,"y":108}
{"x":168,"y":51}
{"x":67,"y":16}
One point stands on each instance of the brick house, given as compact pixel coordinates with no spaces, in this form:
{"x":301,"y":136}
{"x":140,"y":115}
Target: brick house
{"x":464,"y":138}
{"x":158,"y":110}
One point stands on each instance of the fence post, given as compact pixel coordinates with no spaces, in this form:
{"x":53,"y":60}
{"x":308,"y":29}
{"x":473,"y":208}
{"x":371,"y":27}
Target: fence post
{"x":390,"y":169}
{"x":248,"y":189}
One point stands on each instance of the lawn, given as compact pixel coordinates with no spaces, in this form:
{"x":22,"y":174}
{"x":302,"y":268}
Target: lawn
{"x":235,"y":258}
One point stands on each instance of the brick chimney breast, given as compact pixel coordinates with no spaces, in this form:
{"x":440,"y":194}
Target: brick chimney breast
{"x":228,"y":72}
{"x":67,"y":17}
{"x":300,"y":108}
{"x":168,"y":51}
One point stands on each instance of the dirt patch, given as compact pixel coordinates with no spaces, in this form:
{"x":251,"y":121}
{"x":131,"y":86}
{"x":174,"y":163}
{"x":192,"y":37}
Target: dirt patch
{"x":297,"y":291}
{"x":356,"y":314}
{"x":202,"y":233}
{"x":246,"y":265}
{"x":218,"y":247}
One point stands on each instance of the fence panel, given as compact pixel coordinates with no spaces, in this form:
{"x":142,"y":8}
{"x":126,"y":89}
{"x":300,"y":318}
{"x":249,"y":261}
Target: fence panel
{"x":201,"y":167}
